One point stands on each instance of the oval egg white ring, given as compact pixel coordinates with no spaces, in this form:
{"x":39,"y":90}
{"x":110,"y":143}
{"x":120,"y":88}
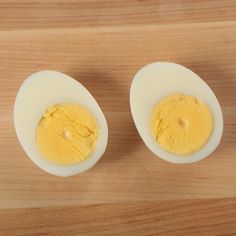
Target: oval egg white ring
{"x":42,"y":90}
{"x":158,"y":80}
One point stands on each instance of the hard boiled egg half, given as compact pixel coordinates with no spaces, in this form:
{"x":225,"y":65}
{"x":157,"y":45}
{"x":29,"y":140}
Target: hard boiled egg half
{"x":176,"y":113}
{"x":59,"y":123}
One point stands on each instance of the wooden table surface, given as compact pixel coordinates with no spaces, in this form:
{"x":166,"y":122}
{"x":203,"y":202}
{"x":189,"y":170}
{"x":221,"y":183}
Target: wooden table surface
{"x":103,"y":44}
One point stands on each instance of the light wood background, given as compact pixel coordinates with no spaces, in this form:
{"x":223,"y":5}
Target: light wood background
{"x":103,"y":44}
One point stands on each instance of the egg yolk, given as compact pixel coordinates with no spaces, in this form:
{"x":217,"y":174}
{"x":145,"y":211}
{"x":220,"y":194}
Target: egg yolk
{"x":67,"y":134}
{"x":181,"y":124}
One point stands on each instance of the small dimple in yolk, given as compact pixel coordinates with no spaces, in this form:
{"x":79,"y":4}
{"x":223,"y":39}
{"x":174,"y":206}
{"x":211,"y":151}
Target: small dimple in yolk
{"x":67,"y":134}
{"x":181,"y":124}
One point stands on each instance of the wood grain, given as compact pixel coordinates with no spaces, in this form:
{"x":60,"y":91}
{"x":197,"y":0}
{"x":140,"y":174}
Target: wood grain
{"x":103,"y":44}
{"x":27,"y":14}
{"x":175,"y":218}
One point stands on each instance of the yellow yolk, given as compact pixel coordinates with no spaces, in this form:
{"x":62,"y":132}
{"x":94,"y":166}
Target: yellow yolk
{"x":67,"y":134}
{"x":181,"y":124}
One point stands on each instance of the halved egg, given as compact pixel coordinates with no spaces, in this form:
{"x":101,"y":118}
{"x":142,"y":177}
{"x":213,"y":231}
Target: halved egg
{"x":59,"y":124}
{"x":175,"y":112}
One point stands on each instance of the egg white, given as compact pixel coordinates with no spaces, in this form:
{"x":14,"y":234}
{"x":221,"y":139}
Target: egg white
{"x":158,"y":80}
{"x":41,"y":90}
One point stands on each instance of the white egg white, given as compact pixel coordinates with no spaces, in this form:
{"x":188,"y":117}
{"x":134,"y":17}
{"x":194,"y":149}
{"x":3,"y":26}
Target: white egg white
{"x":38,"y":92}
{"x":158,"y":80}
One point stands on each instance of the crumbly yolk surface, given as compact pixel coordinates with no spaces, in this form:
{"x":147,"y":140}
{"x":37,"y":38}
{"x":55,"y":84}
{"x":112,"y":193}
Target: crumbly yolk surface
{"x":181,"y":124}
{"x":67,"y":134}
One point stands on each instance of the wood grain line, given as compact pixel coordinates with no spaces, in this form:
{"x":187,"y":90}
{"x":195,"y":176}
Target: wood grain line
{"x":172,"y":218}
{"x":95,"y":13}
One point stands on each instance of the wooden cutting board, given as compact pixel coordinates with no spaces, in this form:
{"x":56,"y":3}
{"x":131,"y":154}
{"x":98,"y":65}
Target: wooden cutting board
{"x":103,"y":44}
